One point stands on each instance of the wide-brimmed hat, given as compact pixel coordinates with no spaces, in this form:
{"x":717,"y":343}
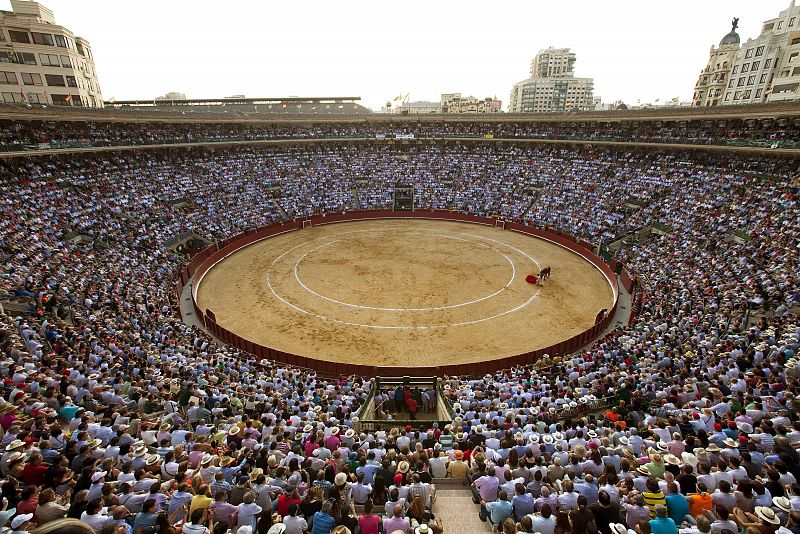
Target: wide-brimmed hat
{"x":730,"y":442}
{"x":548,"y":439}
{"x":152,"y":459}
{"x":206,"y":459}
{"x":479,"y":429}
{"x":16,"y":456}
{"x":423,"y":529}
{"x":689,"y":458}
{"x":225,"y":462}
{"x":232,"y":431}
{"x":349,"y":433}
{"x":713,"y":447}
{"x":768,"y":515}
{"x":255,"y":473}
{"x":403,"y":467}
{"x":643,"y":470}
{"x":618,"y":528}
{"x":623,"y":440}
{"x":783,"y":503}
{"x":340,"y":479}
{"x":747,"y":428}
{"x":335,"y":431}
{"x":5,"y":515}
{"x":16,"y":444}
{"x":661,"y":446}
{"x":341,"y":529}
{"x":672,"y":459}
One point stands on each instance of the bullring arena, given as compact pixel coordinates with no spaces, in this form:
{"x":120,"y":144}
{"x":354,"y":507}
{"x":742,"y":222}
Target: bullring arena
{"x":404,"y":293}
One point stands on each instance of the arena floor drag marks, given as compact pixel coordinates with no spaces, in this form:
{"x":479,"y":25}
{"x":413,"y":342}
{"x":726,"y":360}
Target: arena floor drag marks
{"x":403,"y":292}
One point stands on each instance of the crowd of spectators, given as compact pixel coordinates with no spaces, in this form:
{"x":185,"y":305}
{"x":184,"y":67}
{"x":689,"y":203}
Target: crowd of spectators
{"x":17,"y":135}
{"x":120,"y":416}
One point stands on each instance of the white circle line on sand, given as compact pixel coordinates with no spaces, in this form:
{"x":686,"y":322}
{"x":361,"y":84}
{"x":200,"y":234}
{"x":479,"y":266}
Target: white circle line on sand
{"x":432,"y":308}
{"x":389,"y":327}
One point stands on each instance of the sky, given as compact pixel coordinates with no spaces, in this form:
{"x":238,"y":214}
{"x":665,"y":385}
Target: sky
{"x":634,"y":49}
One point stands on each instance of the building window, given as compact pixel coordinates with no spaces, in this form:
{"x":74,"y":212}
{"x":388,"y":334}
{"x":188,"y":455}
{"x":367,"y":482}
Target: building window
{"x":19,"y":37}
{"x":42,"y":38}
{"x":31,"y":78}
{"x":747,"y":94}
{"x":55,"y":80}
{"x":8,"y":78}
{"x":751,"y":80}
{"x":780,"y":25}
{"x":735,"y":69}
{"x":35,"y":98}
{"x":12,"y":98}
{"x":759,"y":51}
{"x":23,"y":58}
{"x":730,"y":83}
{"x":727,"y":97}
{"x":61,"y":41}
{"x":748,"y":54}
{"x":740,"y":83}
{"x":763,"y":78}
{"x":49,"y":60}
{"x":80,"y":49}
{"x":65,"y":62}
{"x":71,"y":81}
{"x":755,"y":65}
{"x":745,"y":67}
{"x":767,"y":63}
{"x":759,"y":92}
{"x":791,"y":22}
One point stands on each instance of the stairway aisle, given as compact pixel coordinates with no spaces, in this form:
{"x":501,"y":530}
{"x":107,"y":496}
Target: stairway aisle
{"x":458,"y":513}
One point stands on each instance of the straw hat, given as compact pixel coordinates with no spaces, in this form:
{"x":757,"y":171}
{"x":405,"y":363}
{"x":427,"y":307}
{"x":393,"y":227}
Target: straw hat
{"x":232,"y":431}
{"x":783,"y":503}
{"x":225,"y":462}
{"x":403,"y":467}
{"x":643,"y":470}
{"x":713,"y":447}
{"x":340,"y":479}
{"x":623,"y":440}
{"x":152,"y":459}
{"x":335,"y":431}
{"x":618,"y":528}
{"x":730,"y":442}
{"x":701,"y":453}
{"x":672,"y":459}
{"x":206,"y":459}
{"x":16,"y":444}
{"x":256,"y":473}
{"x":307,"y":429}
{"x":767,"y":514}
{"x":423,"y":529}
{"x":689,"y":458}
{"x":548,"y":439}
{"x":349,"y":433}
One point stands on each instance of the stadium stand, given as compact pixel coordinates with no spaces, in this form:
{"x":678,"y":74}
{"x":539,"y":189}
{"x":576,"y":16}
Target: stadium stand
{"x":118,"y":414}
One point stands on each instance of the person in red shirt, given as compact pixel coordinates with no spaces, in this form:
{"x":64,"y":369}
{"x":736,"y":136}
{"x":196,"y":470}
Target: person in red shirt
{"x":29,"y":500}
{"x":285,"y":500}
{"x":411,"y":404}
{"x":34,"y":470}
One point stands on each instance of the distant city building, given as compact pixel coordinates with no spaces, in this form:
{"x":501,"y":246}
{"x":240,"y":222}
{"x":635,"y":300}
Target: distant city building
{"x":172,"y":95}
{"x":714,"y":78}
{"x":43,"y":63}
{"x":552,"y":86}
{"x":455,"y":103}
{"x":767,"y":68}
{"x":419,"y":107}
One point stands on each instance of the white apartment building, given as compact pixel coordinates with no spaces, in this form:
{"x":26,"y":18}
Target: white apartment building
{"x":42,"y":62}
{"x":767,"y":68}
{"x":711,"y":84}
{"x":552,"y":86}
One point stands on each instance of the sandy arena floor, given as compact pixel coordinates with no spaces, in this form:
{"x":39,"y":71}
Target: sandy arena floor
{"x":405,"y":292}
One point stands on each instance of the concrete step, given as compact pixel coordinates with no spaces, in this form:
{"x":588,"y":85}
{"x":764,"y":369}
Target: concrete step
{"x":459,"y":515}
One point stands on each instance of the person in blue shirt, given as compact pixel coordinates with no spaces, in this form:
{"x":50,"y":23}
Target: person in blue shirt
{"x":499,"y":510}
{"x":323,"y":522}
{"x":677,"y":505}
{"x":522,"y":503}
{"x":662,"y":523}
